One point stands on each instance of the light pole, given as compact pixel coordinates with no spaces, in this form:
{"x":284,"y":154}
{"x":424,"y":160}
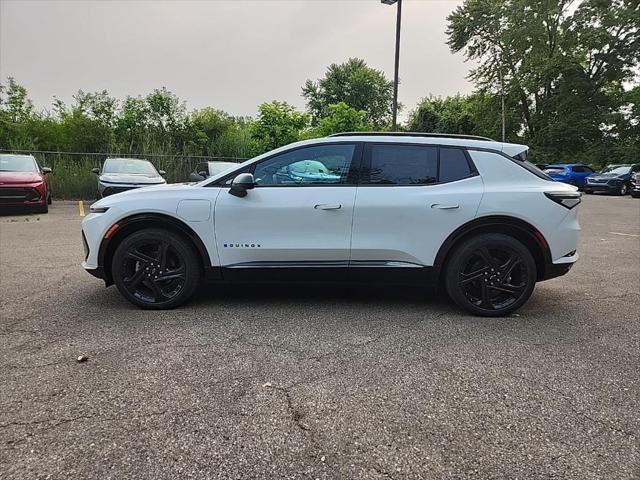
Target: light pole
{"x":394,"y":121}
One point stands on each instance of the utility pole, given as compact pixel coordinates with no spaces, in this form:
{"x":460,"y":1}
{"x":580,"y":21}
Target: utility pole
{"x":394,"y":121}
{"x":504,"y":120}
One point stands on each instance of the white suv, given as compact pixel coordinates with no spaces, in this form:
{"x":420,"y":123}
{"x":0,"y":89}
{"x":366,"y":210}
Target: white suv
{"x":465,"y":212}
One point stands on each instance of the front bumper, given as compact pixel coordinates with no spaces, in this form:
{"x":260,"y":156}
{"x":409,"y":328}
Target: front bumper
{"x":601,"y":187}
{"x":22,"y":195}
{"x":97,"y":272}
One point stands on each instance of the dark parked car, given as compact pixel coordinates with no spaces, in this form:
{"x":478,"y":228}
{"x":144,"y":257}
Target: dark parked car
{"x":23,"y":183}
{"x":209,"y":169}
{"x":635,"y":185}
{"x":615,"y":179}
{"x":121,"y":174}
{"x":572,"y":173}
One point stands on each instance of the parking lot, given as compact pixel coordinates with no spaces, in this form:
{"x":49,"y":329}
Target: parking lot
{"x":318,"y":382}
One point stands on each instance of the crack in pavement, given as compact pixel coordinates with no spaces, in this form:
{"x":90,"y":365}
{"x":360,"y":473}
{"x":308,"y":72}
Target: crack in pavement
{"x":75,"y":419}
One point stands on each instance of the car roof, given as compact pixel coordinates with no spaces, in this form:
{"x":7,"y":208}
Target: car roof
{"x":511,"y":149}
{"x":126,"y":158}
{"x":567,"y":165}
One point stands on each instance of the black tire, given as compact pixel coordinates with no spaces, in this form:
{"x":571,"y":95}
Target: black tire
{"x":623,"y":190}
{"x":635,"y":195}
{"x":49,"y":200}
{"x":490,"y":275}
{"x":138,"y":267}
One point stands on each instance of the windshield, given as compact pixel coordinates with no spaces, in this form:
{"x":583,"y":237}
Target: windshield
{"x":128,"y":165}
{"x":18,"y":163}
{"x":617,"y":170}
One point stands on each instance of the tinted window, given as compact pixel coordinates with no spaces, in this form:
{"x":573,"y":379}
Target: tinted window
{"x":453,"y":165}
{"x":402,"y":165}
{"x":321,"y":164}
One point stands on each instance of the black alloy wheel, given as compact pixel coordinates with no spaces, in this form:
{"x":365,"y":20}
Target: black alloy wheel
{"x":491,"y":275}
{"x":156,"y":269}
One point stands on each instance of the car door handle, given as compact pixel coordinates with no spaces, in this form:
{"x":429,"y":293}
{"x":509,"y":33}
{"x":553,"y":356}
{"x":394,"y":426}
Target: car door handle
{"x":328,"y":206}
{"x":442,"y":206}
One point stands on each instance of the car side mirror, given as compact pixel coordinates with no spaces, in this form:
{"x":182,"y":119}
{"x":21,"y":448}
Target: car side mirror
{"x":241,"y":184}
{"x":203,"y":174}
{"x":96,"y":170}
{"x":162,"y":172}
{"x":195,"y":177}
{"x":46,"y":170}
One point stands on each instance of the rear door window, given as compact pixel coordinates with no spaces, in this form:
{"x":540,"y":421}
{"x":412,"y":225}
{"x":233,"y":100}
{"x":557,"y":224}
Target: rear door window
{"x":393,"y":164}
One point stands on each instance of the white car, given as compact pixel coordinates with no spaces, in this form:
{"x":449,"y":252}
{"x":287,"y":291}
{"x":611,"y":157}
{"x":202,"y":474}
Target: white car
{"x":466,"y":212}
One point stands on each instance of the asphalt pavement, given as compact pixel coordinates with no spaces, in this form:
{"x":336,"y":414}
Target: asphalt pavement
{"x":311,"y":382}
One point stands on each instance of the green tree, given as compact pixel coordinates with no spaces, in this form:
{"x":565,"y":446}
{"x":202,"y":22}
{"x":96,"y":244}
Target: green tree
{"x":562,"y":63}
{"x":443,"y":115}
{"x":340,"y":117}
{"x":16,"y":113}
{"x":132,"y":124}
{"x":355,"y":84}
{"x":278,"y":124}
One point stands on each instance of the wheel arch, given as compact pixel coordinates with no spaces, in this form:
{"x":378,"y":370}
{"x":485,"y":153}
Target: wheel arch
{"x":517,"y":228}
{"x":134,"y":223}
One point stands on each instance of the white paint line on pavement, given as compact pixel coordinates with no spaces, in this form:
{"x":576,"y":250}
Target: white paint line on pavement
{"x":625,"y":234}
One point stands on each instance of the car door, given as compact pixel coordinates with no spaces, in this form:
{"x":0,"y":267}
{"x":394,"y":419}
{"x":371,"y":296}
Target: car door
{"x":580,"y":174}
{"x":296,"y":222}
{"x":409,"y":200}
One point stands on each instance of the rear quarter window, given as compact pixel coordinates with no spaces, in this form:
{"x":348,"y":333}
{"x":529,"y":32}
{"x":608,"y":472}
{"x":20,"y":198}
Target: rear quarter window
{"x":453,"y":165}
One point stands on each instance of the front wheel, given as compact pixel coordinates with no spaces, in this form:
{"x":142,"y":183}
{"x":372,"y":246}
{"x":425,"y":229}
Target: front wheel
{"x":624,"y":189}
{"x":156,"y":269}
{"x":490,"y":275}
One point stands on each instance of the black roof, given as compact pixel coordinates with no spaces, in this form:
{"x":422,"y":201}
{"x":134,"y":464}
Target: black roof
{"x":411,"y":134}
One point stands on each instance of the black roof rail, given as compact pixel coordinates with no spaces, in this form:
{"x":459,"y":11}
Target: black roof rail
{"x":411,"y":134}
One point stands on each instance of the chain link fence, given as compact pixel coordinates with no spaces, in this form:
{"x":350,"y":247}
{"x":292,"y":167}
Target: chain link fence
{"x":72,"y":178}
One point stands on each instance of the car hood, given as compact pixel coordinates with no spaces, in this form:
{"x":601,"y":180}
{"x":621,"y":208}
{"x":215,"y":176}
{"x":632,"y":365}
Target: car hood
{"x":20,"y":177}
{"x":608,"y":176}
{"x":131,"y":179}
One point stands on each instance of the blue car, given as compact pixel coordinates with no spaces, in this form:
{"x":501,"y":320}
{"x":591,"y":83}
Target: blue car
{"x":572,"y":173}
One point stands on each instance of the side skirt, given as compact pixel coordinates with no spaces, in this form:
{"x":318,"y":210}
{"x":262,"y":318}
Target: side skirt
{"x":325,"y":274}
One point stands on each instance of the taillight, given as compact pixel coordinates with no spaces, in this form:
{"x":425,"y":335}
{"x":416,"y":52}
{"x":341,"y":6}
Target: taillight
{"x":566,"y":199}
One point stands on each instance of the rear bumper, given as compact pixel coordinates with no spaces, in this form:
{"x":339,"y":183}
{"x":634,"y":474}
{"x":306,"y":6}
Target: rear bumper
{"x":559,"y":267}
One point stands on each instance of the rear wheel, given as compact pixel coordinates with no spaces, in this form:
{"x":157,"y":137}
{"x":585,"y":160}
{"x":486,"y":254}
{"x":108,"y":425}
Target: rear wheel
{"x":156,"y":269}
{"x":491,"y":275}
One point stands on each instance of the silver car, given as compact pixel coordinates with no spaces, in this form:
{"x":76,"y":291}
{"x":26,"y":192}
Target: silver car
{"x":209,"y":169}
{"x":121,"y":174}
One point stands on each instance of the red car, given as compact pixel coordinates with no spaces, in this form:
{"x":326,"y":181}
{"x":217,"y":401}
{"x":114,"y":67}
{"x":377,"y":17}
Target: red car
{"x":23,"y":183}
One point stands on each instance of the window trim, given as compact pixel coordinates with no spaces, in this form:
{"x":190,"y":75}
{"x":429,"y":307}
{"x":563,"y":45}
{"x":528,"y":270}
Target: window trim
{"x":350,"y":181}
{"x":366,"y":161}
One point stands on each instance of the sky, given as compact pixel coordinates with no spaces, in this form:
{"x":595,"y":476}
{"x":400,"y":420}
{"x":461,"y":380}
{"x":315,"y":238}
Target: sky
{"x":229,"y":54}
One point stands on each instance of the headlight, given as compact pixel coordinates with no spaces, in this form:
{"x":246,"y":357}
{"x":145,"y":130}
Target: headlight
{"x":93,"y":209}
